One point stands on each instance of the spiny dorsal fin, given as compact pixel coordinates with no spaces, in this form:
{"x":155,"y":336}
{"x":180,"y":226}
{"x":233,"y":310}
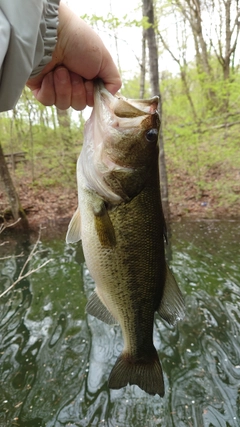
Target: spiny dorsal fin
{"x":96,"y":308}
{"x":74,"y":228}
{"x":172,"y":307}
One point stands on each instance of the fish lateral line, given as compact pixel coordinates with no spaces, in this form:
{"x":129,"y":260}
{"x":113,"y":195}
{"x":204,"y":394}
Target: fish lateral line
{"x":123,"y":229}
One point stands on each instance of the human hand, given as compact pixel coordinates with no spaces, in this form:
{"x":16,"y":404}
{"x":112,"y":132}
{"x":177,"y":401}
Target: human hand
{"x":78,"y":58}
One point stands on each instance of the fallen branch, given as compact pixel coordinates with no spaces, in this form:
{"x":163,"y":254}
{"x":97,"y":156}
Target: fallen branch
{"x":10,"y":256}
{"x":23,"y":275}
{"x":4,"y":226}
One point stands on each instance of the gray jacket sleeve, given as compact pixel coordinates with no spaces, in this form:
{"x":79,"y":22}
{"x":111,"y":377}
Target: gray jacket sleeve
{"x":28,"y":33}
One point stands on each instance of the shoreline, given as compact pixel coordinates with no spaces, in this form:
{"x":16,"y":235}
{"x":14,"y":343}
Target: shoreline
{"x":52,"y":228}
{"x":52,"y":208}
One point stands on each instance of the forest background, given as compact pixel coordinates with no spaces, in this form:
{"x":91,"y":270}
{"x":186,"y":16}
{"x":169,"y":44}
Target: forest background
{"x":198,"y":52}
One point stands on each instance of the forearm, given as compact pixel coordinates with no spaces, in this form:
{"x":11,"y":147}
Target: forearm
{"x":80,"y":56}
{"x":28,"y":32}
{"x":57,"y":61}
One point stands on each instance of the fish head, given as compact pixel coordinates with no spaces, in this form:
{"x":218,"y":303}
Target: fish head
{"x":120,"y":144}
{"x":129,"y":129}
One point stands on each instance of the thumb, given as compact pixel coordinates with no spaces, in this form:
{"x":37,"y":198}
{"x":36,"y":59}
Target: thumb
{"x":109,"y":74}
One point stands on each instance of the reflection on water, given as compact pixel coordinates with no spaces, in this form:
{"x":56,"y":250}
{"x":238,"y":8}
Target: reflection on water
{"x":55,"y":360}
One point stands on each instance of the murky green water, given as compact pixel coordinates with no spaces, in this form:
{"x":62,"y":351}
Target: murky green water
{"x":55,"y":360}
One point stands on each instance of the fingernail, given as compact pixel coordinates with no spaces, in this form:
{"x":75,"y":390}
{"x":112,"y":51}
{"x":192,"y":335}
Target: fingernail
{"x":49,"y":77}
{"x":62,"y":75}
{"x":75,"y":78}
{"x":89,"y":87}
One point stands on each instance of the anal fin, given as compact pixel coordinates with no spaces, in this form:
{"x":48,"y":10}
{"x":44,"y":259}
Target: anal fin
{"x":96,"y":308}
{"x":172,"y":307}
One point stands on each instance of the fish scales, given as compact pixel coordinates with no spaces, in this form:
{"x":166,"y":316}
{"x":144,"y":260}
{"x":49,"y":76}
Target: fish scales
{"x":121,"y":224}
{"x":119,"y":277}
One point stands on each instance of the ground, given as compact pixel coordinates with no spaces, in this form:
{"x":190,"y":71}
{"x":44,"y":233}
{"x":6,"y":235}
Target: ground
{"x":56,"y":205}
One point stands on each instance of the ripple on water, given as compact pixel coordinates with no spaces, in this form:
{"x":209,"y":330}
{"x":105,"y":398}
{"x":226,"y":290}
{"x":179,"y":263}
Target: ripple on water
{"x":55,"y":360}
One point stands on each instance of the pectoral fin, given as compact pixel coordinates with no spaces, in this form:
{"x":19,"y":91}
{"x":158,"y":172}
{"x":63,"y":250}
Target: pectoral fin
{"x":96,"y":308}
{"x":172,"y":306}
{"x":74,"y":228}
{"x":103,"y":223}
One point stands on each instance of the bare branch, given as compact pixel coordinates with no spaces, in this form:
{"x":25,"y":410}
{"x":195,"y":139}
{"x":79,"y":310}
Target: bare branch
{"x":10,"y":256}
{"x":4,"y":226}
{"x":22,"y":274}
{"x":21,"y":277}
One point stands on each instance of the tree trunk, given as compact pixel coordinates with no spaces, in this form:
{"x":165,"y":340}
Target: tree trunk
{"x":16,"y":208}
{"x":64,"y":121}
{"x":183,"y":75}
{"x":63,"y":118}
{"x":148,"y":11}
{"x":232,"y":29}
{"x":192,"y":12}
{"x":143,"y":65}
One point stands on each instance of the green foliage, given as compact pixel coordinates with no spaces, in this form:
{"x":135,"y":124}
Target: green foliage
{"x":201,"y":136}
{"x":51,"y":150}
{"x":204,"y":143}
{"x":112,"y":22}
{"x":131,"y":88}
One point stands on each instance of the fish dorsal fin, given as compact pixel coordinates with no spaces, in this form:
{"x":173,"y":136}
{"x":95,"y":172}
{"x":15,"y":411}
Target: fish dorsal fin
{"x":96,"y":308}
{"x":74,"y":228}
{"x":172,"y":307}
{"x":103,"y":223}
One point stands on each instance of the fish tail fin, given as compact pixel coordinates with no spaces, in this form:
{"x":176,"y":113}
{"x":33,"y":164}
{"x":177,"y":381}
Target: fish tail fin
{"x":146,"y":372}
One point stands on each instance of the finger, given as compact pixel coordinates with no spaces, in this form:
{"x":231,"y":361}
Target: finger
{"x":110,"y":75}
{"x":113,"y":88}
{"x":89,"y":92}
{"x":78,"y":101}
{"x":46,"y":93}
{"x":63,"y":88}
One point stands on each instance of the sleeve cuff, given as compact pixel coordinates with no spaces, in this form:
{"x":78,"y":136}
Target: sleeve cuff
{"x":47,"y":37}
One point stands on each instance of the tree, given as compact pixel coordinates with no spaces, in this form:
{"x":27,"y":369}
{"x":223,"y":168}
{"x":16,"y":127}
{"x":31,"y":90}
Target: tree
{"x":226,"y":33}
{"x":215,"y":27}
{"x":148,"y":11}
{"x":16,"y":208}
{"x":143,"y":65}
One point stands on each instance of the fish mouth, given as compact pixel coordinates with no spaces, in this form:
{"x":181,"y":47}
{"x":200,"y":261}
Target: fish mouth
{"x":121,"y":124}
{"x":117,"y":150}
{"x":122,"y":107}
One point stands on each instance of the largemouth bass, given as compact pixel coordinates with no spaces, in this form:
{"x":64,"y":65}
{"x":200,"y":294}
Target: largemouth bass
{"x":121,"y":224}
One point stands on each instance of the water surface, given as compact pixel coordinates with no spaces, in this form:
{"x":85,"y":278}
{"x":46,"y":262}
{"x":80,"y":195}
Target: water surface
{"x":55,"y":360}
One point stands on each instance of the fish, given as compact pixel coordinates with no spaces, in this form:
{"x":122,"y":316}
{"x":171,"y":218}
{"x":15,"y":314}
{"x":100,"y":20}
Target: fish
{"x":121,"y":224}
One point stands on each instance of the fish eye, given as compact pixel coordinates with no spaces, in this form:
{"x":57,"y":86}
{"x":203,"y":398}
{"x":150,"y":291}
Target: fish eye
{"x":152,"y":135}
